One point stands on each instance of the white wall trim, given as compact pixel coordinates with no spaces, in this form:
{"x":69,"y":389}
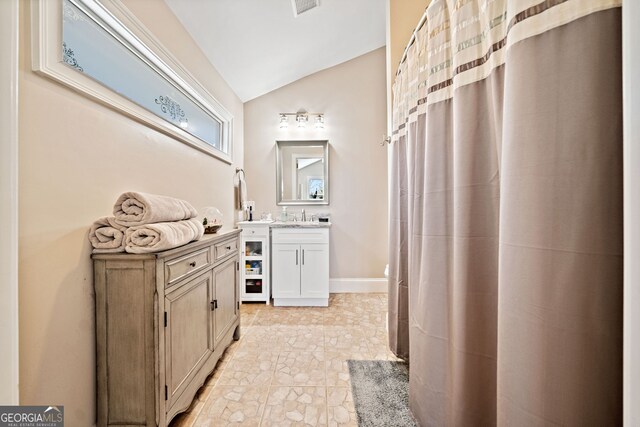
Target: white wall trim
{"x":359,"y":285}
{"x":631,"y":108}
{"x":9,"y":356}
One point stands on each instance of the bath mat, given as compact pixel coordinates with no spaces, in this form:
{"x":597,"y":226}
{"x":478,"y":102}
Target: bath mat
{"x":381,"y":393}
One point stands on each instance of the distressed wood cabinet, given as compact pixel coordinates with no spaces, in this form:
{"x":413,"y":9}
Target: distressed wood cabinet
{"x":162,"y":322}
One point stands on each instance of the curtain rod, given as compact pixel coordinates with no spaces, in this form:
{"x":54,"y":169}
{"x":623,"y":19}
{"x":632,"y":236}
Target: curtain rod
{"x":421,"y":22}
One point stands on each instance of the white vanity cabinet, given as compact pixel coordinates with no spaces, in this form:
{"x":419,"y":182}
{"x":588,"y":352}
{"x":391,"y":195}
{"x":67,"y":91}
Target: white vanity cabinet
{"x":255,"y":261}
{"x":300,"y":266}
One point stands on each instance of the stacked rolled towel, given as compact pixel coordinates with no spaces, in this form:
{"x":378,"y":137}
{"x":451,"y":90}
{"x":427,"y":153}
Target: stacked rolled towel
{"x":144,"y":223}
{"x":106,"y":235}
{"x":134,"y":208}
{"x":162,"y":236}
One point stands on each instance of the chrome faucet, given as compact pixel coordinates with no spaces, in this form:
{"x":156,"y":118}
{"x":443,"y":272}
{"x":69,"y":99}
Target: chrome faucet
{"x":304,"y":217}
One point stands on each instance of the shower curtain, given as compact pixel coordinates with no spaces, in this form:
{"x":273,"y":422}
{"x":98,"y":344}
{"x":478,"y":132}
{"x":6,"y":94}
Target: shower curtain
{"x":505,"y":281}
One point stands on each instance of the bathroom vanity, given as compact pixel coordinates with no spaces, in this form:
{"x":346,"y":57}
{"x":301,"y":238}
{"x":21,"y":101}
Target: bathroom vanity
{"x":288,"y":261}
{"x":300,"y":250}
{"x":300,"y":263}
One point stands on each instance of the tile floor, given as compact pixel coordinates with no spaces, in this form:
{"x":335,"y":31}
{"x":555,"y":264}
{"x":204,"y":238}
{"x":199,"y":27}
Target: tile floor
{"x":289,"y":367}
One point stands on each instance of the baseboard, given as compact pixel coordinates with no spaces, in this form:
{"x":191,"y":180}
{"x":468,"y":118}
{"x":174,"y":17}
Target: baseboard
{"x":301,"y":302}
{"x":342,"y":286}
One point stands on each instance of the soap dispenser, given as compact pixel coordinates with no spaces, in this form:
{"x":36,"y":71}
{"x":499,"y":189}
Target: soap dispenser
{"x":284,"y":217}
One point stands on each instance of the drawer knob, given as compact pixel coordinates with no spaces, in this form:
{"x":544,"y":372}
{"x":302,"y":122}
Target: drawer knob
{"x":192,"y":264}
{"x":228,"y":248}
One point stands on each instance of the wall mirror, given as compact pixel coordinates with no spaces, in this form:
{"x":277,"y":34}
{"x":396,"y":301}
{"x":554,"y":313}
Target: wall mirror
{"x":302,"y":172}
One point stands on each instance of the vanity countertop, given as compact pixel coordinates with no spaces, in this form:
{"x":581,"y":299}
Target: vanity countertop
{"x":300,"y":224}
{"x":257,"y":222}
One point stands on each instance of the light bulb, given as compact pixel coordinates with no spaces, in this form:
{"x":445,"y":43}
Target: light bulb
{"x":284,"y":121}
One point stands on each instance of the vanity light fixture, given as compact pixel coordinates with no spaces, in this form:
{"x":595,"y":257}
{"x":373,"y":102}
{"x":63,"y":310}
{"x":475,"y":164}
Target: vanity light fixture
{"x":302,"y":118}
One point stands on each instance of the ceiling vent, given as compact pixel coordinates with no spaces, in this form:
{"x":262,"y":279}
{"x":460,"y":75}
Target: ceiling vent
{"x":302,"y":6}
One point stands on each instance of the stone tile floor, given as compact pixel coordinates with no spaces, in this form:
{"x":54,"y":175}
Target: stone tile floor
{"x":289,"y":367}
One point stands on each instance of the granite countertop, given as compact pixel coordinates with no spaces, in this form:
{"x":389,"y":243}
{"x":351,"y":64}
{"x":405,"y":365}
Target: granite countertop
{"x":257,"y":222}
{"x":300,"y":224}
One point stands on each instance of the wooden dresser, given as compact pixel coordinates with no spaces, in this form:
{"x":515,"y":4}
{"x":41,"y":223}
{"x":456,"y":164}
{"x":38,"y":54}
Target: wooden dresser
{"x":162,"y":322}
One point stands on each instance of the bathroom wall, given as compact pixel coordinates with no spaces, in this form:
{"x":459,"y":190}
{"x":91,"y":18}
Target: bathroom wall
{"x":402,"y":20}
{"x":76,"y":157}
{"x":352,"y":97}
{"x":9,"y":17}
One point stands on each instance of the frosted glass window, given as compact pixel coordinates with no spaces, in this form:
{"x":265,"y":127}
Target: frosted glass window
{"x":91,"y":47}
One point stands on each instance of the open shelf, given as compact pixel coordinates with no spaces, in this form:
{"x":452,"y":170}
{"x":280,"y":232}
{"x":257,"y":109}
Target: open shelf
{"x":253,"y":267}
{"x":253,"y":286}
{"x":253,"y":249}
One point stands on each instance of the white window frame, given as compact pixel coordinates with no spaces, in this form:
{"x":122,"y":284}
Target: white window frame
{"x":114,"y":17}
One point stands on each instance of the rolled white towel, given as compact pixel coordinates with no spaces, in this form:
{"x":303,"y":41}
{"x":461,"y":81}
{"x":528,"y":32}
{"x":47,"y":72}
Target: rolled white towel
{"x":107,"y":236}
{"x":162,"y":236}
{"x":134,"y":208}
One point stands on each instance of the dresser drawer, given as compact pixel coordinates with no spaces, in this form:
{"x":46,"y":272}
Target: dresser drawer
{"x":255,"y":232}
{"x":179,"y":268}
{"x":225,"y":248}
{"x":300,"y":235}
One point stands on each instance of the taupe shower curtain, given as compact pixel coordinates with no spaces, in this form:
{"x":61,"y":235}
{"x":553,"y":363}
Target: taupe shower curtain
{"x":506,"y":216}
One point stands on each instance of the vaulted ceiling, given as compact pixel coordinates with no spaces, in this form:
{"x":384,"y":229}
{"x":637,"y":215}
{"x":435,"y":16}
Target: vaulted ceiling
{"x":260,"y":45}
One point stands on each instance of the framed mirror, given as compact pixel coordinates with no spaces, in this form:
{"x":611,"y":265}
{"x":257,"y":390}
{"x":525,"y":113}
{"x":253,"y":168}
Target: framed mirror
{"x":302,"y":172}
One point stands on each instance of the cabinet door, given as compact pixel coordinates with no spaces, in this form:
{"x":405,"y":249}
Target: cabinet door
{"x":314,"y":271}
{"x":255,"y":269}
{"x":187,"y":332}
{"x":285,"y":270}
{"x":225,"y":278}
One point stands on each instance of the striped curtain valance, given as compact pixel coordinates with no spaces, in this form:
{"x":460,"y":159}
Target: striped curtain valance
{"x":462,"y":41}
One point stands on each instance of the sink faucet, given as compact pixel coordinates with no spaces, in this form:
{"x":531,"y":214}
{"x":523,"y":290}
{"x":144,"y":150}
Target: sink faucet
{"x":304,"y":217}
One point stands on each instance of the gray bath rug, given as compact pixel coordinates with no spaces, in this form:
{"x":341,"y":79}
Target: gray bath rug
{"x":381,"y":393}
